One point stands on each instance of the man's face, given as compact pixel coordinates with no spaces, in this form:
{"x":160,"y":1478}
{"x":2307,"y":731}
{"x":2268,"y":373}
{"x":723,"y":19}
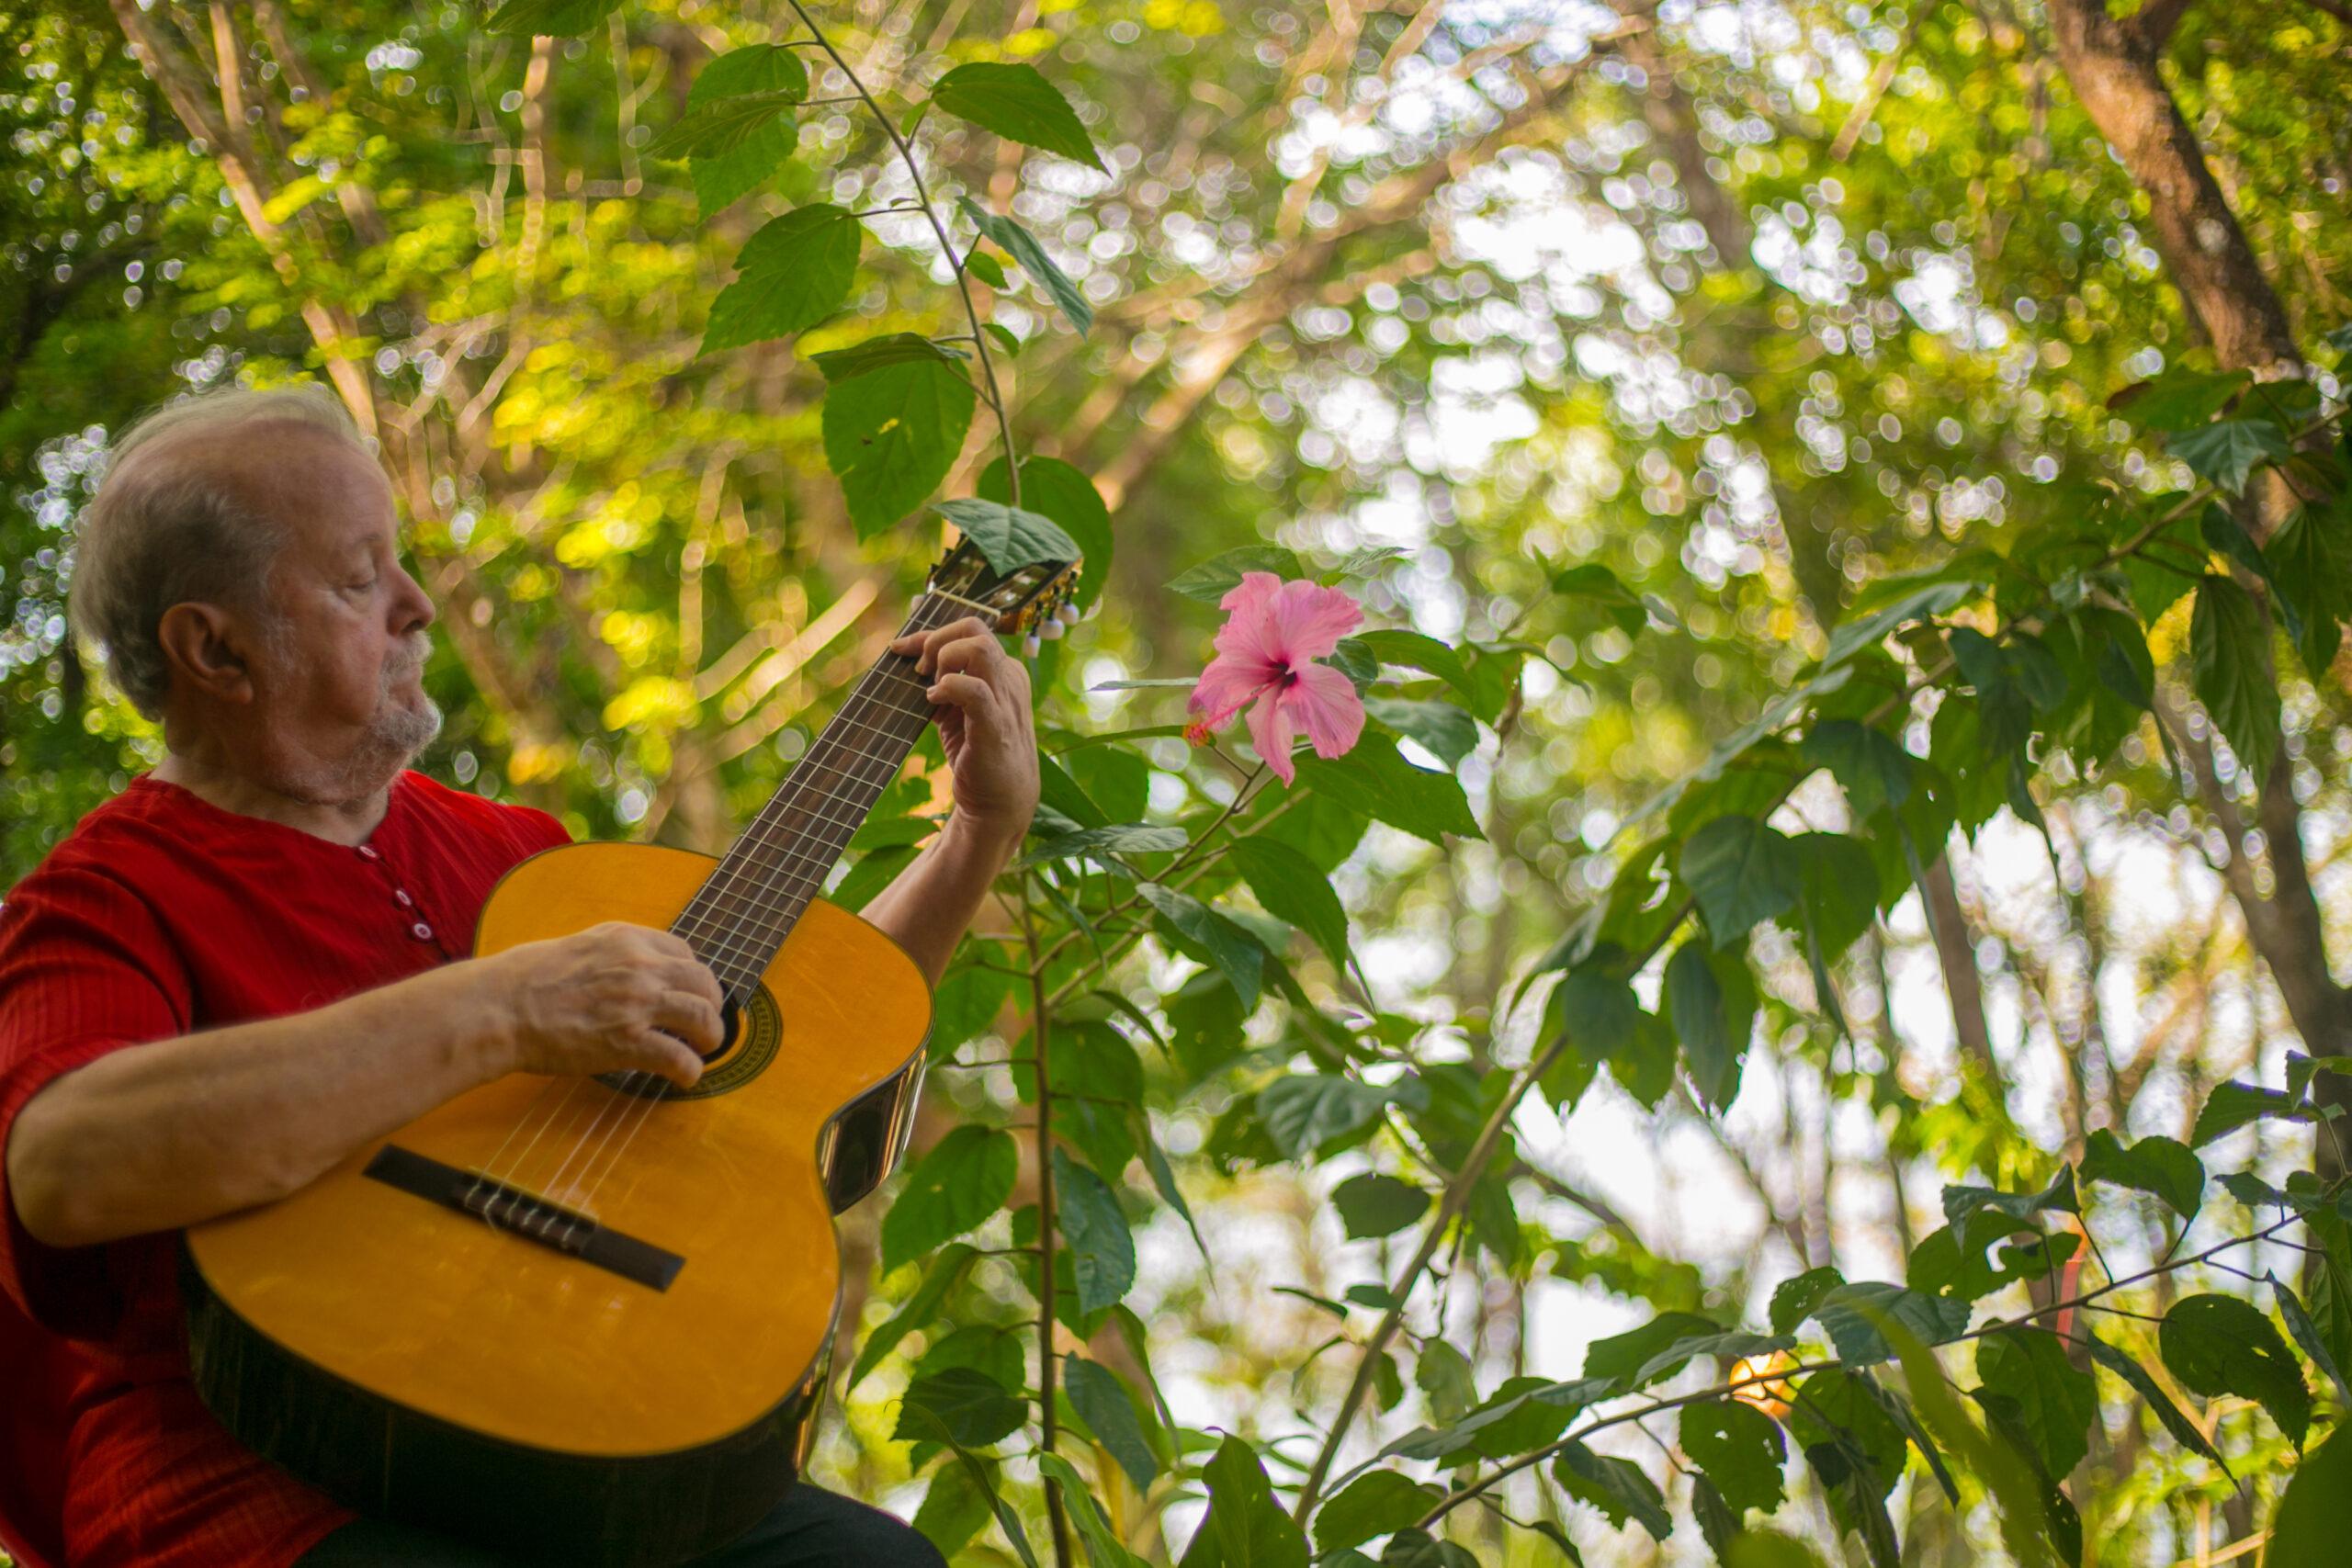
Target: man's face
{"x":339,"y":698}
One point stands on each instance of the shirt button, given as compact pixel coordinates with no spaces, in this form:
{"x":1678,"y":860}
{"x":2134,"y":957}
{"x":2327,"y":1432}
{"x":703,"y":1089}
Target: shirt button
{"x":401,"y":897}
{"x":367,"y":854}
{"x":422,"y":931}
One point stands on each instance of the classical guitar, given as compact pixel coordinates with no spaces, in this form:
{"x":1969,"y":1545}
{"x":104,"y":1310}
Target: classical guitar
{"x":588,"y":1319}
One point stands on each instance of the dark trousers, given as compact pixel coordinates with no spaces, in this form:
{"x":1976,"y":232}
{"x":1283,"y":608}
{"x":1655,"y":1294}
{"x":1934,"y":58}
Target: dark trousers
{"x":810,"y":1529}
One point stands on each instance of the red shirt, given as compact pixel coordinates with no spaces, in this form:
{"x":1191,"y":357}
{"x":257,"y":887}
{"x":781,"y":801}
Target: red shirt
{"x":159,"y":916}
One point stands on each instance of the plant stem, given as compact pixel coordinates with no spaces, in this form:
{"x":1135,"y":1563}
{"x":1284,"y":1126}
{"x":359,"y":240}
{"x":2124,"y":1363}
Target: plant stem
{"x":1041,"y":1012}
{"x":946,"y":246}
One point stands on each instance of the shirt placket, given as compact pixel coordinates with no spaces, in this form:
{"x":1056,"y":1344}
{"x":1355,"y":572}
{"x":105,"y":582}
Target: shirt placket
{"x":411,"y":913}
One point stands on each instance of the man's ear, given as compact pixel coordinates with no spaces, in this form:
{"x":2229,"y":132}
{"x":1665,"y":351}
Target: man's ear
{"x":206,"y":647}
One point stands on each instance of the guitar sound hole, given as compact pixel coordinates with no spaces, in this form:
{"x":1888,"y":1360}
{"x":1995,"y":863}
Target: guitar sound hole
{"x":754,"y":1028}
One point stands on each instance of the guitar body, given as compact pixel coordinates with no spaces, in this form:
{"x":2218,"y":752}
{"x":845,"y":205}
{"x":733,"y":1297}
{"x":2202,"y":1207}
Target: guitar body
{"x":620,"y":1365}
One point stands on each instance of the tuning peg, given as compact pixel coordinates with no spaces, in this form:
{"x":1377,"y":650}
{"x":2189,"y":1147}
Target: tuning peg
{"x":1051,"y":631}
{"x":1029,"y":646}
{"x":1069,"y":615}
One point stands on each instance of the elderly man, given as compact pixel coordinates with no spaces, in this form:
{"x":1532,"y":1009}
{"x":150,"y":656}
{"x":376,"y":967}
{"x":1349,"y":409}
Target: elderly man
{"x":255,"y":960}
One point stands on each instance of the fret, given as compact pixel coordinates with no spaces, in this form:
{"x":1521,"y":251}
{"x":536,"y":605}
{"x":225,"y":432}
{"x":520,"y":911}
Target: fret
{"x":742,"y":914}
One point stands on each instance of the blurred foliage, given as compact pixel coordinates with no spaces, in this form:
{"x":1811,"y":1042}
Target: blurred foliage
{"x":1882,"y":657}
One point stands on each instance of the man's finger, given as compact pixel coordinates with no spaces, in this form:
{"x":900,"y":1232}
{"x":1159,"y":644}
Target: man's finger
{"x":970,"y":694}
{"x":981,"y":656}
{"x":925,"y":645}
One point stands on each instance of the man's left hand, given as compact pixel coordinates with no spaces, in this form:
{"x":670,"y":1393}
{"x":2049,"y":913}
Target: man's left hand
{"x":981,"y":697}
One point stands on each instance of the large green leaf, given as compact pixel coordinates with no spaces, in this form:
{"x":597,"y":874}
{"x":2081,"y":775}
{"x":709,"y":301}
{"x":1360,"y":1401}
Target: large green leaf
{"x":1377,"y":781}
{"x":724,"y":126}
{"x":1448,"y":732}
{"x":1292,"y":889}
{"x":1103,"y":1401}
{"x":1711,"y":1000}
{"x":1305,"y":1111}
{"x":1962,"y":1202}
{"x":2057,"y":1400}
{"x":1023,"y":247}
{"x":2217,"y":1345}
{"x":2309,"y":566}
{"x":1872,"y":765}
{"x":1016,"y":103}
{"x":1233,"y":951}
{"x":1102,"y":1250}
{"x":1741,"y":872}
{"x":2184,"y":1431}
{"x":1621,"y":1356}
{"x":2314,"y":1517}
{"x":1103,"y":1547}
{"x":1373,"y":1205}
{"x":1245,"y":1526}
{"x":1618,"y":1487}
{"x":1741,"y":1451}
{"x":960,"y":1403}
{"x":2160,"y":1166}
{"x":1053,"y":488}
{"x":955,"y":1508}
{"x":723,"y":178}
{"x":1009,"y":537}
{"x":2179,"y":400}
{"x":1852,"y":1316}
{"x":1220,"y":574}
{"x":554,"y":18}
{"x":792,"y":274}
{"x":2309,"y":1337}
{"x":2230,"y":654}
{"x":1374,"y":1504}
{"x":1795,"y":1299}
{"x":2228,"y":450}
{"x":2233,"y":1105}
{"x":946,"y":1271}
{"x":892,"y":432}
{"x":957,"y":1184}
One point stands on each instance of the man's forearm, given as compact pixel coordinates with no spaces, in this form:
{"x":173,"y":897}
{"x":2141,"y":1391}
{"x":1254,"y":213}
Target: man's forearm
{"x":153,"y":1137}
{"x":932,"y":902}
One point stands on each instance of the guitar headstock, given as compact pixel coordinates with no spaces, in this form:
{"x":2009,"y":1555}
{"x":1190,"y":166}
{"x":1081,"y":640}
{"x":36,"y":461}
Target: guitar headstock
{"x":1032,"y":601}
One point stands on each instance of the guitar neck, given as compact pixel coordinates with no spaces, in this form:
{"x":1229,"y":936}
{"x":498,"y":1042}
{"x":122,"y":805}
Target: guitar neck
{"x":739,"y":917}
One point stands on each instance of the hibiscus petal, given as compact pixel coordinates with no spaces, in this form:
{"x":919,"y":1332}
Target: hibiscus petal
{"x":1251,"y":631}
{"x":1309,"y":620}
{"x":1270,"y":732}
{"x":1226,"y":688}
{"x":1324,"y":701}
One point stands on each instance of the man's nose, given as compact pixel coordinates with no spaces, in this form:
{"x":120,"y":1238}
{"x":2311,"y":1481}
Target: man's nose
{"x":414,"y":611}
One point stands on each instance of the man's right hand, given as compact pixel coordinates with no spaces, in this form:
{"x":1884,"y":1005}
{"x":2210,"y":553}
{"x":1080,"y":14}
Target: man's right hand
{"x":615,"y":998}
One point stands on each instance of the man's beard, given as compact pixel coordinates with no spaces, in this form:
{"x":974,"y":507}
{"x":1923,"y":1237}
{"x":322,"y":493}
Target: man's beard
{"x":395,"y":734}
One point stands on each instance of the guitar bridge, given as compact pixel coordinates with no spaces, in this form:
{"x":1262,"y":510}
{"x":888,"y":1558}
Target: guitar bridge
{"x":517,"y":1213}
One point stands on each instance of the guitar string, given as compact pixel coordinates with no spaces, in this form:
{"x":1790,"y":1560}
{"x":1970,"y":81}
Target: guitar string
{"x":724,"y":946}
{"x":599,"y":1166}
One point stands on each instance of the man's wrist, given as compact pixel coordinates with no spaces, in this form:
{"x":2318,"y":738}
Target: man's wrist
{"x":990,"y":840}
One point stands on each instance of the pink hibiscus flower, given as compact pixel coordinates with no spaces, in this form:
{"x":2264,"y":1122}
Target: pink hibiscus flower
{"x":1265,"y":654}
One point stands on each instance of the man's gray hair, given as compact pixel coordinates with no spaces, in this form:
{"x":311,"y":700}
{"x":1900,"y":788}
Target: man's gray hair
{"x":162,"y":533}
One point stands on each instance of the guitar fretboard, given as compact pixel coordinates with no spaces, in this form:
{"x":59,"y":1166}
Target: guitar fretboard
{"x":739,"y":917}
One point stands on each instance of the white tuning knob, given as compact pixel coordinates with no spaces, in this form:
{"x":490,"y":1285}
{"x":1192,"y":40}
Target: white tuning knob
{"x":1029,"y":646}
{"x":1069,"y":615}
{"x":1051,"y":631}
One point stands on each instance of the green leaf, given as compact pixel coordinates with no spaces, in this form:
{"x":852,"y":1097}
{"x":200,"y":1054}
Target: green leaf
{"x":1375,"y":1205}
{"x":945,"y":1274}
{"x":2309,"y":1337}
{"x":1617,"y":1487}
{"x":1018,"y":104}
{"x":727,"y":178}
{"x":1062,"y":793}
{"x":1741,"y":1451}
{"x":1718,"y":1520}
{"x":1448,"y":732}
{"x":1930,"y":599}
{"x":792,"y":274}
{"x":2314,"y":1517}
{"x":1051,"y":488}
{"x":1103,"y":1548}
{"x":1220,"y":574}
{"x":1375,"y":1504}
{"x":1442,"y":1374}
{"x":1097,"y":843}
{"x":2160,"y":1166}
{"x":2233,"y":1105}
{"x":1245,"y":1526}
{"x":2179,"y":399}
{"x":2230,"y":651}
{"x":1233,"y":951}
{"x":1418,"y":1549}
{"x":1621,"y":1356}
{"x":1600,"y":586}
{"x":550,"y":18}
{"x":2228,"y":450}
{"x":955,"y":1508}
{"x":1741,"y":872}
{"x":985,"y":267}
{"x":1870,"y":764}
{"x":1292,"y":889}
{"x":1023,"y":247}
{"x":1711,"y":1001}
{"x":2218,"y":1345}
{"x":2309,"y":564}
{"x":1837,"y":891}
{"x":1597,"y":1012}
{"x":1851,"y":1317}
{"x":2184,"y":1431}
{"x":880,"y":353}
{"x":1416,"y":650}
{"x":1103,"y":1401}
{"x":963,"y":1404}
{"x":1962,"y":1202}
{"x":1305,"y":1111}
{"x":723,"y":125}
{"x":1102,"y":1250}
{"x":1795,"y":1299}
{"x":1377,"y":781}
{"x":957,"y":1184}
{"x":892,"y":432}
{"x":1010,"y":536}
{"x":2057,"y":1402}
